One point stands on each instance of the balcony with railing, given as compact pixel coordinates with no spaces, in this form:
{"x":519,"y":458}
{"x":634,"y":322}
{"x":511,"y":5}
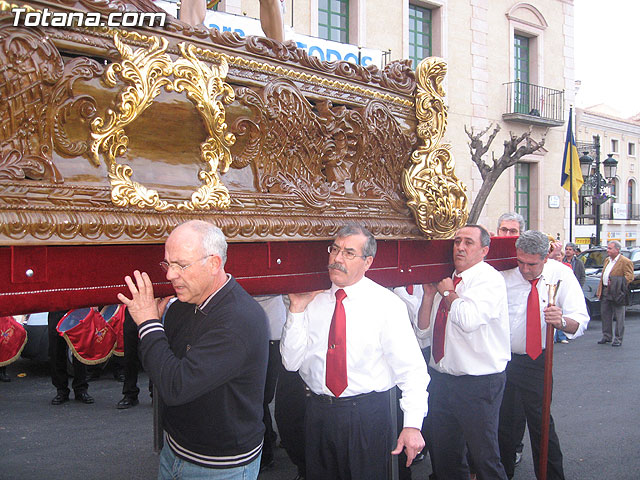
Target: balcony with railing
{"x":534,"y":105}
{"x":632,"y":212}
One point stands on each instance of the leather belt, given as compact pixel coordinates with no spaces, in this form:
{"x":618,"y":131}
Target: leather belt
{"x":341,"y":400}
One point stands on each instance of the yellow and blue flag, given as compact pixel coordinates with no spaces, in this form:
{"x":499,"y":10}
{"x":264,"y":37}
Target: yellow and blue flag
{"x":571,"y":179}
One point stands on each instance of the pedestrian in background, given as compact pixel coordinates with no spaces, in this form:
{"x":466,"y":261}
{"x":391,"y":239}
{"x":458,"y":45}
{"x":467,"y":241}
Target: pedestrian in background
{"x":613,"y":292}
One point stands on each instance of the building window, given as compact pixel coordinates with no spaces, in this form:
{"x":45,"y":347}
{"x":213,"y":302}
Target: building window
{"x":522,"y":189}
{"x":631,"y":149}
{"x":631,"y":207}
{"x":333,"y":20}
{"x":613,"y":187}
{"x":521,"y":73}
{"x":614,"y":145}
{"x":420,"y":33}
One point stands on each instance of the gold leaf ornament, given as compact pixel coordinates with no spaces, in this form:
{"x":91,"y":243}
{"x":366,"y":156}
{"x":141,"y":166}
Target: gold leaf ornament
{"x":436,"y":197}
{"x":145,"y":72}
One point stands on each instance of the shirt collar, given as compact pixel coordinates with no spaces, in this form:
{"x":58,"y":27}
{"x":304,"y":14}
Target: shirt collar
{"x":204,"y":304}
{"x":470,"y":272}
{"x":352,"y":290}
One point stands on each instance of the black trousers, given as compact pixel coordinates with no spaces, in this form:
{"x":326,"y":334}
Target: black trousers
{"x":58,"y":360}
{"x":274,"y":366}
{"x":464,"y":412}
{"x":131,"y":360}
{"x":349,"y":439}
{"x":524,"y":388}
{"x":290,"y":408}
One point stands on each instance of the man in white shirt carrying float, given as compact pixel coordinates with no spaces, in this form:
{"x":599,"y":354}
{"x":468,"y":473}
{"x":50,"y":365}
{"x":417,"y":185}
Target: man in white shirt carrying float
{"x":469,"y":352}
{"x":529,"y":314}
{"x":352,"y":344}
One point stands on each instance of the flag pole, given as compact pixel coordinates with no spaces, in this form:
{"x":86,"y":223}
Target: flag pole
{"x":570,"y":186}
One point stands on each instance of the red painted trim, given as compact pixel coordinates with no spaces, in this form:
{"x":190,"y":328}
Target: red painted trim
{"x":77,"y":276}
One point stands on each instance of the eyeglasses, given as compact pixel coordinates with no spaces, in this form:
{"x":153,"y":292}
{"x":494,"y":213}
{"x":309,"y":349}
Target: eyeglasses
{"x":166,"y":266}
{"x":510,"y":231}
{"x":348,"y":254}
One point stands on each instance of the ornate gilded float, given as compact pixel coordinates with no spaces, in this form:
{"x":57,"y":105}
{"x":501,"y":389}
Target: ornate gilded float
{"x":116,"y":136}
{"x":113,"y":137}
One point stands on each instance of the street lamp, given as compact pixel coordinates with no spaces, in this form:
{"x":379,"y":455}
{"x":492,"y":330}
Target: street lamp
{"x":589,"y":169}
{"x":610,"y":166}
{"x":585,"y":164}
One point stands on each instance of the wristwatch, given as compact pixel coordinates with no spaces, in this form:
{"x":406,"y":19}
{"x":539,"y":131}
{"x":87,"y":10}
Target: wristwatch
{"x":446,"y":293}
{"x":564,"y":324}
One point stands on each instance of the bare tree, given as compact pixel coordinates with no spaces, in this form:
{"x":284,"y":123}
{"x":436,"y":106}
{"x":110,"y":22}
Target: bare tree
{"x":514,"y":149}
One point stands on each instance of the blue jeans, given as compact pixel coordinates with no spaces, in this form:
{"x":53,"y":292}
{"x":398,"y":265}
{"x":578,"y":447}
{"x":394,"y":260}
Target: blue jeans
{"x":173,"y":467}
{"x":560,"y":336}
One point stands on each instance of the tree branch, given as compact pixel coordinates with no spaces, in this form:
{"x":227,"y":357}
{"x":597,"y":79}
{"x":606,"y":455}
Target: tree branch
{"x":515,"y":147}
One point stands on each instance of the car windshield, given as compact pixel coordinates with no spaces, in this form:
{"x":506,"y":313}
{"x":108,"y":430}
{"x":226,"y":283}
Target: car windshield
{"x":595,"y":258}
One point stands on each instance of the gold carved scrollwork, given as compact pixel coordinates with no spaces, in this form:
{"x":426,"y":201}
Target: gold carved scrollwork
{"x":146,"y":71}
{"x":435,"y":195}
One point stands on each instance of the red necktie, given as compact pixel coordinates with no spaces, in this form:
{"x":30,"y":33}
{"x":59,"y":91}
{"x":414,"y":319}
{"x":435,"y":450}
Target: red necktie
{"x":336,"y":378}
{"x":534,"y":336}
{"x":440,"y":326}
{"x":410,"y":289}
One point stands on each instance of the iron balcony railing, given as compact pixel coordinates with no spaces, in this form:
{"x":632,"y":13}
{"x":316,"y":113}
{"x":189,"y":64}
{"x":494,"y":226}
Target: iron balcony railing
{"x":537,"y":104}
{"x":633,"y":212}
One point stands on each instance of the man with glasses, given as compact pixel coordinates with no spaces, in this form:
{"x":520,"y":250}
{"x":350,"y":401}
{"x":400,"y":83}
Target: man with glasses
{"x":352,"y":344}
{"x":208,"y":361}
{"x":510,"y":224}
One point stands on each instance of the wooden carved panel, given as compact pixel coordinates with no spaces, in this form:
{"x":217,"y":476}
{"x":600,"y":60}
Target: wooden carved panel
{"x":30,"y":66}
{"x":317,"y":150}
{"x":316,"y":144}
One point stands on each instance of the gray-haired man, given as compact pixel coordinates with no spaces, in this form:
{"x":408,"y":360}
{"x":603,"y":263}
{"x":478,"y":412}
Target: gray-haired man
{"x":617,"y":274}
{"x":352,"y":344}
{"x":529,"y":314}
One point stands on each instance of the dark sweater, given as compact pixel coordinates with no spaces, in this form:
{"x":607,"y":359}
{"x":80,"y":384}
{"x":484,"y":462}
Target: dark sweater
{"x":210,"y":369}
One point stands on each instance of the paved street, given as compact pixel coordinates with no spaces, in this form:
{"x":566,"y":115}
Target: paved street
{"x":596,"y":408}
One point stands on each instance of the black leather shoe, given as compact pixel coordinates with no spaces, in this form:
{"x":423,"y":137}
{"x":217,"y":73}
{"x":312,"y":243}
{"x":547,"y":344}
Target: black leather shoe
{"x":616,"y":343}
{"x":84,"y":397}
{"x":4,"y":377}
{"x":127,"y":402}
{"x":603,"y":341}
{"x":59,"y":399}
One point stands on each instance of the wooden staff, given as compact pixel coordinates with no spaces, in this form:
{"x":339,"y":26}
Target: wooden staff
{"x":546,"y":395}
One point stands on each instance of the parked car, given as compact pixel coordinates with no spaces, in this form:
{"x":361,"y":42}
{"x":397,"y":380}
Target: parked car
{"x":593,"y":260}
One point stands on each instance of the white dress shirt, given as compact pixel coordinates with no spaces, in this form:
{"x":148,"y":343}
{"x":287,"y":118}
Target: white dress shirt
{"x":569,"y":298}
{"x":382,"y":350}
{"x":273,"y":306}
{"x":607,"y":270}
{"x":476,"y":338}
{"x":413,"y":303}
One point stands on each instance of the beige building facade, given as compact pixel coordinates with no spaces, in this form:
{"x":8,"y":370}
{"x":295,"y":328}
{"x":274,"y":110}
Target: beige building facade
{"x":510,"y":64}
{"x":619,"y":139}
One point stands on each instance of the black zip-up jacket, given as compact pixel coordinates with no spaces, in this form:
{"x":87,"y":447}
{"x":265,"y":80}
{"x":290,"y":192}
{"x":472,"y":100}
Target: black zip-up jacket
{"x":209,"y":367}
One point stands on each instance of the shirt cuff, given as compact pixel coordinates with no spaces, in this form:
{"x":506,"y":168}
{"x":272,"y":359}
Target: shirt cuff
{"x":413,"y":420}
{"x":294,"y":319}
{"x":150,"y":326}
